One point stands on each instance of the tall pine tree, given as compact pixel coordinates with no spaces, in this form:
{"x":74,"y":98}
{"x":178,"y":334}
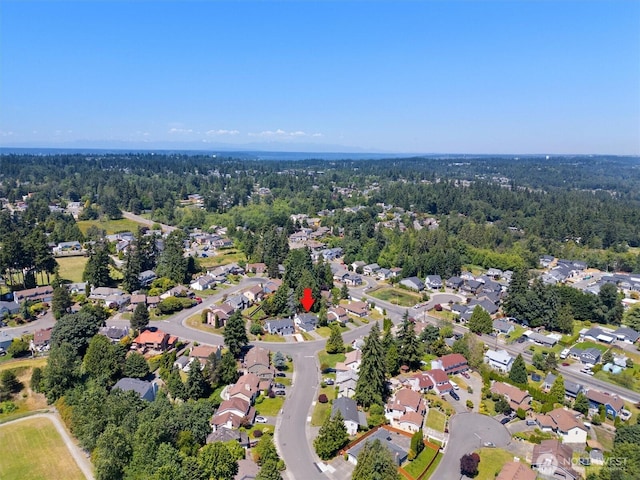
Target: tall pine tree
{"x":371,"y":387}
{"x":518,"y":372}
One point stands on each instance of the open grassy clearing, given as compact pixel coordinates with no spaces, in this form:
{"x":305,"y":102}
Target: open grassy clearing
{"x":110,"y":226}
{"x":419,"y":464}
{"x":491,"y":462}
{"x":71,"y":268}
{"x":222,"y":257}
{"x":33,"y":449}
{"x":395,"y":296}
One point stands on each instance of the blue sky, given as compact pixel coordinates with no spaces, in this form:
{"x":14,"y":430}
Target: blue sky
{"x":403,"y":76}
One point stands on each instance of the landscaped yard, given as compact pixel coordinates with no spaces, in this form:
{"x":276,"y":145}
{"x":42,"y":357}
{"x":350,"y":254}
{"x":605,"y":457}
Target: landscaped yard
{"x":436,"y":420}
{"x":270,"y":407}
{"x":491,"y":462}
{"x":71,"y":268}
{"x":322,"y":410}
{"x":395,"y":296}
{"x":33,"y":449}
{"x":419,"y":464}
{"x":329,"y":360}
{"x":586,"y":344}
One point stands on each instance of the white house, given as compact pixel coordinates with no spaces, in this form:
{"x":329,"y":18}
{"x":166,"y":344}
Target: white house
{"x":498,"y":360}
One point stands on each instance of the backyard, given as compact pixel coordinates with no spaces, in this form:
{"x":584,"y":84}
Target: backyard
{"x":491,"y":462}
{"x":71,"y":268}
{"x":420,"y":463}
{"x":33,"y":449}
{"x":395,"y":296}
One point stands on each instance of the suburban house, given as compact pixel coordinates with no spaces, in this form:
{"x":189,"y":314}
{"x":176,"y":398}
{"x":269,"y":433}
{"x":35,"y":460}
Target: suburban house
{"x":434,"y":282}
{"x":565,"y":423}
{"x":472,"y":286}
{"x":358,"y":264}
{"x":337,"y":314}
{"x":544,"y":340}
{"x":257,"y":268}
{"x":233,"y":413}
{"x":451,"y":363}
{"x":247,"y":387}
{"x":352,"y":279}
{"x":203,"y":352}
{"x":454,"y":282}
{"x":421,"y":382}
{"x":517,"y":398}
{"x":204,"y":282}
{"x":503,"y":327}
{"x":546,"y":261}
{"x":146,"y":278}
{"x":349,"y":411}
{"x":440,"y":380}
{"x":223,"y":434}
{"x":498,"y":360}
{"x":371,"y":269}
{"x":41,"y":338}
{"x":67,"y":248}
{"x":8,"y":308}
{"x":272,"y":285}
{"x":146,"y":390}
{"x":183,"y":363}
{"x":219,"y":314}
{"x":346,"y":381}
{"x":516,"y":471}
{"x":110,"y":297}
{"x":254,"y":294}
{"x":597,"y":334}
{"x":589,"y":355}
{"x":114,"y":334}
{"x":283,"y":326}
{"x":571,"y":389}
{"x":157,"y":340}
{"x":383,"y":274}
{"x":357,"y":308}
{"x":386,"y":437}
{"x":351,"y":362}
{"x":412,"y":283}
{"x":404,"y":401}
{"x":306,"y":322}
{"x":553,"y":459}
{"x":38,"y":294}
{"x":5,"y":340}
{"x":627,"y":335}
{"x":256,"y":361}
{"x":612,"y":403}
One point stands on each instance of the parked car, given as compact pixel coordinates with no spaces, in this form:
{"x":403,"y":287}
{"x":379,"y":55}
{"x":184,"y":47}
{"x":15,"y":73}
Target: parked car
{"x":521,"y":340}
{"x":281,"y":374}
{"x":280,"y":392}
{"x":531,"y":423}
{"x":565,"y":364}
{"x":454,"y":395}
{"x":279,"y":385}
{"x":466,"y":375}
{"x":505,"y":420}
{"x":260,"y":419}
{"x":328,"y":381}
{"x":489,"y":444}
{"x":198,"y":300}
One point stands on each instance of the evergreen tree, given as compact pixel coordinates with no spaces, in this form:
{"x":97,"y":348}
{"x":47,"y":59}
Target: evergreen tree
{"x":279,"y":360}
{"x":196,"y":383}
{"x":611,"y":307}
{"x":518,"y":372}
{"x":480,"y":321}
{"x":103,"y":360}
{"x":632,"y":317}
{"x":550,"y":362}
{"x":96,"y":271}
{"x":235,"y":334}
{"x":172,"y":263}
{"x":344,"y":292}
{"x":565,"y":319}
{"x":228,"y":369}
{"x":61,"y":302}
{"x":556,"y":393}
{"x":131,"y":271}
{"x":581,"y":403}
{"x":515,"y":305}
{"x":331,"y":437}
{"x":607,"y":357}
{"x":335,"y":344}
{"x":371,"y":387}
{"x":417,"y":443}
{"x":136,"y":366}
{"x":409,"y":347}
{"x":140,"y":317}
{"x":375,"y":462}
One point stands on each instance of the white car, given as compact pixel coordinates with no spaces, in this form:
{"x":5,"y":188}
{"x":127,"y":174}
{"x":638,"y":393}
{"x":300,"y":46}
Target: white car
{"x":260,"y":419}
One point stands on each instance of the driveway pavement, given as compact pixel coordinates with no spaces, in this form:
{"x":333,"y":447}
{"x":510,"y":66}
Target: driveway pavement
{"x":468,"y":432}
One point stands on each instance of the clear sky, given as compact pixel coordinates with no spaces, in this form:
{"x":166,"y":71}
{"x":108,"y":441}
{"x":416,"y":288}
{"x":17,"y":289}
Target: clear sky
{"x":379,"y":76}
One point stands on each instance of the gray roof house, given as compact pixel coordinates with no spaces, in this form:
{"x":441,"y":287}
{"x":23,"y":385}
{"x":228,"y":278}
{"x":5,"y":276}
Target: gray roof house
{"x":433,"y":281}
{"x":571,"y":389}
{"x":502,"y":326}
{"x":589,"y":355}
{"x":385,"y":437}
{"x":146,"y":390}
{"x":348,"y":408}
{"x":454,"y":282}
{"x":413,"y":283}
{"x":283,"y":326}
{"x":306,"y":321}
{"x":626,"y":334}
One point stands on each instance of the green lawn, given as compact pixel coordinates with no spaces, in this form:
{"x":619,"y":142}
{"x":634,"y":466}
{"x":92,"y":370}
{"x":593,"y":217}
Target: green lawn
{"x":433,"y":466}
{"x":270,"y":407}
{"x":110,"y":226}
{"x":323,"y":331}
{"x":71,"y":268}
{"x":419,"y":464}
{"x":222,"y":257}
{"x":396,"y":296}
{"x":322,"y":410}
{"x":329,"y":360}
{"x":436,"y":420}
{"x":586,"y":344}
{"x":33,"y":449}
{"x":491,"y":462}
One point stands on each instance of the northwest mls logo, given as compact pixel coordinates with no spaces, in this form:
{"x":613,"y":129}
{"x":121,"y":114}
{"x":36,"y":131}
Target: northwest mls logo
{"x":546,"y":464}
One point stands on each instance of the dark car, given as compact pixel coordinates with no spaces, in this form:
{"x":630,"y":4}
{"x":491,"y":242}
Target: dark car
{"x":279,"y":385}
{"x":466,"y":375}
{"x":454,"y":395}
{"x":521,"y":340}
{"x":281,"y":374}
{"x":505,"y":420}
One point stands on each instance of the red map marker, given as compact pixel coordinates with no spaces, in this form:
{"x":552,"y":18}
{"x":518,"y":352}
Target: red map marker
{"x":307,"y":299}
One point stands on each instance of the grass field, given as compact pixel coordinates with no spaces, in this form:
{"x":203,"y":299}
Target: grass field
{"x":322,"y":410}
{"x":395,"y":296}
{"x":419,"y":464}
{"x":270,"y":406}
{"x":435,"y":420}
{"x":491,"y":462}
{"x":222,"y":257}
{"x":330,"y":360}
{"x":110,"y":226}
{"x":71,"y":268}
{"x":33,"y":449}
